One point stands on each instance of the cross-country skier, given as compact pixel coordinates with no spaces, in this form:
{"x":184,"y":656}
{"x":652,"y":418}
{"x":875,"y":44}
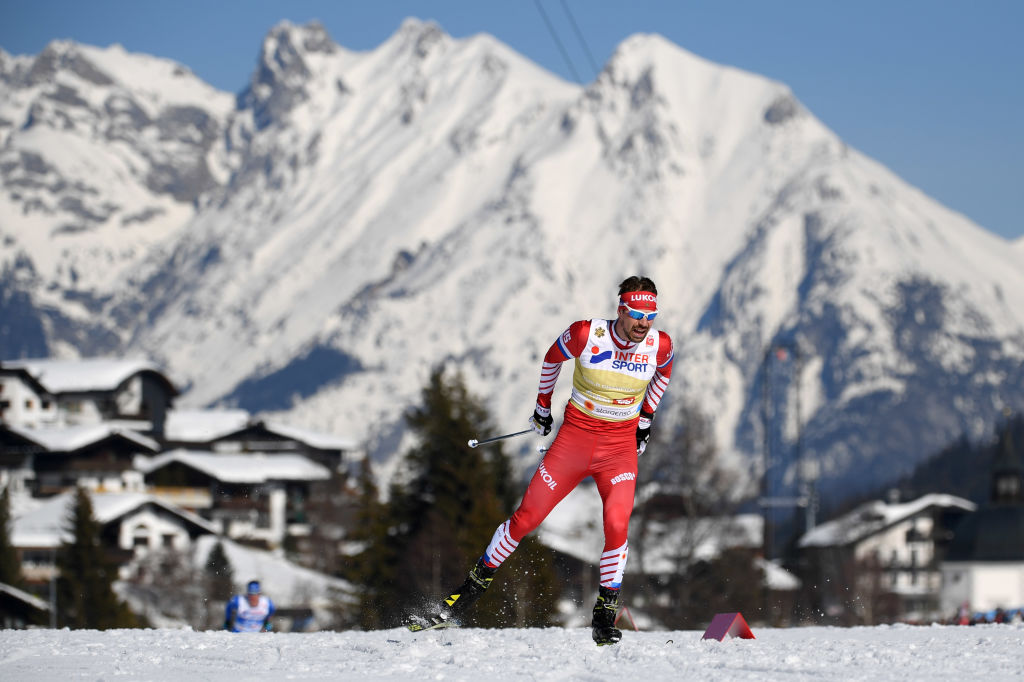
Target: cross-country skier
{"x":622,"y":368}
{"x":249,"y":613}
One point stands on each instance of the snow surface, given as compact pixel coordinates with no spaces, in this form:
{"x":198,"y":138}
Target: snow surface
{"x":816,"y":653}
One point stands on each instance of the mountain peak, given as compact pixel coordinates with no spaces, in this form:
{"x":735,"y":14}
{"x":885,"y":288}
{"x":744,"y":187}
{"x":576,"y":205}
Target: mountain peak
{"x":64,"y":55}
{"x":417,"y":200}
{"x":308,"y":38}
{"x":278,"y":83}
{"x":420,"y":37}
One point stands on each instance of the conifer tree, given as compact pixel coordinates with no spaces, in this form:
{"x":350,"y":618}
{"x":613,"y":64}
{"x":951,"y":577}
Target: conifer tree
{"x":10,"y":567}
{"x":443,"y":517}
{"x":220,"y":575}
{"x":374,"y":569}
{"x":220,"y":584}
{"x":85,"y":594}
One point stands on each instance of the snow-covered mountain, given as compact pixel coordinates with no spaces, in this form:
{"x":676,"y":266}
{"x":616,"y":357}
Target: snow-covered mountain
{"x":315,"y":245}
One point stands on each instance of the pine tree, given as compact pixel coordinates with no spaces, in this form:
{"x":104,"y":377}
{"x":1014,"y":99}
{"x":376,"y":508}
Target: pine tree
{"x":220,"y":574}
{"x":443,"y":517}
{"x":220,"y":584}
{"x":376,"y":567}
{"x":85,"y":594}
{"x":10,"y":567}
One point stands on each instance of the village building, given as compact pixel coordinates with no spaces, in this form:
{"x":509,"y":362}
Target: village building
{"x":50,"y":460}
{"x":47,"y":393}
{"x":132,"y":524}
{"x":236,"y":431}
{"x":159,"y":478}
{"x":256,"y":497}
{"x":881,"y":561}
{"x":983,"y":571}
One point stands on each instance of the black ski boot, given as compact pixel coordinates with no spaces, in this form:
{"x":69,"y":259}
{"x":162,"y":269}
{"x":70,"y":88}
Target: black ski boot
{"x":478,"y":580}
{"x":603,"y":623}
{"x":456,"y":603}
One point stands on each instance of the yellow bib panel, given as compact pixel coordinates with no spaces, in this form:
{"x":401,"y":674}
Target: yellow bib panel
{"x":610,"y":383}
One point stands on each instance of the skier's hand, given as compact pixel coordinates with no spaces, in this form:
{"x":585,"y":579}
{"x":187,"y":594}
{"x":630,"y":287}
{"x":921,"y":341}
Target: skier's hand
{"x":540,"y":423}
{"x":643,"y":432}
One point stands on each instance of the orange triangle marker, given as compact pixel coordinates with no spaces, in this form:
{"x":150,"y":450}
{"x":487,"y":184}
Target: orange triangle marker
{"x":728,"y":625}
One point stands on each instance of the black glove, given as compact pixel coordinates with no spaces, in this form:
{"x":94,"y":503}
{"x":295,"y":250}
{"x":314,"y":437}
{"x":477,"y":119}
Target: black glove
{"x":227,"y":625}
{"x":541,"y":424}
{"x":643,"y":432}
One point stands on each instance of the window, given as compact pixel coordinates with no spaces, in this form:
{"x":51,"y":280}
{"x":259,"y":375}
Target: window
{"x":28,"y":404}
{"x":38,"y":557}
{"x":169,"y":540}
{"x":1007,"y":486}
{"x":140,"y":537}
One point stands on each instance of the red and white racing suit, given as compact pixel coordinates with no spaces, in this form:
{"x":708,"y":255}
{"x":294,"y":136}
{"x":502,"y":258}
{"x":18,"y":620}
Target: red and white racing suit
{"x":613,"y":379}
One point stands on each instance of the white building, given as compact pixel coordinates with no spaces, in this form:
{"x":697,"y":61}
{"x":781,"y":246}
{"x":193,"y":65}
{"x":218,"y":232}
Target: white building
{"x":251,"y":496}
{"x":880,"y":562}
{"x":136,"y":523}
{"x":48,"y":393}
{"x":984,"y":568}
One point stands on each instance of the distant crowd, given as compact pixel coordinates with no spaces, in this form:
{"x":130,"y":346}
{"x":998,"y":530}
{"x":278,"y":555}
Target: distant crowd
{"x":964,"y":616}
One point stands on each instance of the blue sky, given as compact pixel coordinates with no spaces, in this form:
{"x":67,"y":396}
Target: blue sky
{"x":933,"y":89}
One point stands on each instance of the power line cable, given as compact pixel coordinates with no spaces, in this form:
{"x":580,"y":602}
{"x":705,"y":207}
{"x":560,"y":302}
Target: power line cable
{"x":579,"y":36}
{"x":558,"y":42}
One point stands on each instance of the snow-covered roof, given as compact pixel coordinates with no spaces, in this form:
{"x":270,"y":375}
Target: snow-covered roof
{"x":253,"y":467}
{"x":89,"y":374}
{"x":316,"y":439}
{"x":71,"y":438}
{"x":872,"y":517}
{"x":24,"y":596}
{"x":776,"y":577}
{"x":203,"y":426}
{"x":45,"y":526}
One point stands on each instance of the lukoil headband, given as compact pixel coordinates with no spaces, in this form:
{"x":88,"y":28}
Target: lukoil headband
{"x":639,"y":300}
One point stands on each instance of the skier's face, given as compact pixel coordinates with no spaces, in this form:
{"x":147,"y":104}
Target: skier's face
{"x":632,"y":329}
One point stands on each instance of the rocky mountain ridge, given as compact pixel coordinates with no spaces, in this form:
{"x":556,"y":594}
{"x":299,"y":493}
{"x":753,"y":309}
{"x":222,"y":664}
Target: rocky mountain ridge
{"x":316,"y":244}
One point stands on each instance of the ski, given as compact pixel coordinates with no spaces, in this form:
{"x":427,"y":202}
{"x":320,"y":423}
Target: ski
{"x":416,"y":623}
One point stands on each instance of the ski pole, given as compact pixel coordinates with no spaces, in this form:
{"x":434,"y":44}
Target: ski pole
{"x":473,"y":442}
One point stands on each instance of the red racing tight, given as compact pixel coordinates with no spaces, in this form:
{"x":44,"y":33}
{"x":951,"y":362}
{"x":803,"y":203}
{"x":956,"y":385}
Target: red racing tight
{"x":609,"y":456}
